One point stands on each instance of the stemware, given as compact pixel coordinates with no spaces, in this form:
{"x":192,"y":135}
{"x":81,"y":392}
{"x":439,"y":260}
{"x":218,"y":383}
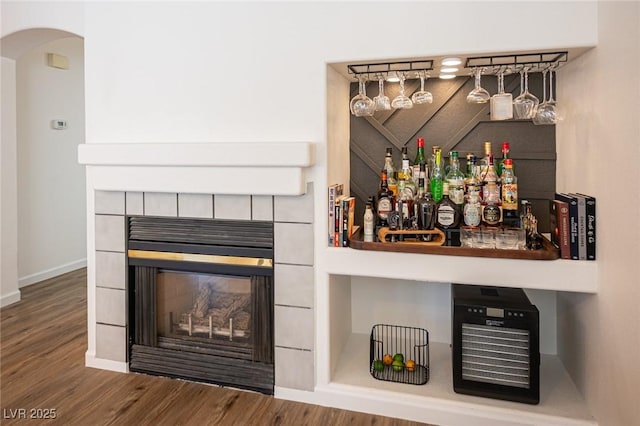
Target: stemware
{"x":361,"y":105}
{"x":381,"y":101}
{"x":546,"y":113}
{"x":540,"y":117}
{"x":402,"y":101}
{"x":478,"y":95}
{"x":501,"y":104}
{"x":525,"y":104}
{"x":422,"y":96}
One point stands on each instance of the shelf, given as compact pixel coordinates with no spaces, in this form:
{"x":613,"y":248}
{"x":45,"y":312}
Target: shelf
{"x":560,"y":275}
{"x":437,"y":403}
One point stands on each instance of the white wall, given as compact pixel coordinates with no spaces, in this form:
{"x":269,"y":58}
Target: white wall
{"x":181,"y":71}
{"x":51,"y":184}
{"x":9,"y":292}
{"x":599,"y":149}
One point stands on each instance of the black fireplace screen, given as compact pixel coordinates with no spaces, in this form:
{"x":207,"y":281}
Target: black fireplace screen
{"x":198,"y":313}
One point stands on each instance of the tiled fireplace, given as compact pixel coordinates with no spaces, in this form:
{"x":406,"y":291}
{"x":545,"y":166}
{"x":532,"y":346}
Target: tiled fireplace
{"x":264,"y":185}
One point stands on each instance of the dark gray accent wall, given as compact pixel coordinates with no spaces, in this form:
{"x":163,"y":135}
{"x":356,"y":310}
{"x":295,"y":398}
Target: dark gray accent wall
{"x":454,"y":124}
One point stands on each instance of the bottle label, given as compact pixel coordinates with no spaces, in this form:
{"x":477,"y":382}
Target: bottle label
{"x":491,"y":214}
{"x":384,"y":207}
{"x":510,"y":196}
{"x":446,"y":215}
{"x":472,"y":214}
{"x":456,"y":193}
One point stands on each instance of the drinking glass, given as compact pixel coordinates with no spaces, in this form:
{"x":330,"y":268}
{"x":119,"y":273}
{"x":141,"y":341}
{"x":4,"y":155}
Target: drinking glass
{"x":381,"y":101}
{"x":546,"y":113}
{"x":422,"y":96}
{"x":402,"y":101}
{"x":501,"y":104}
{"x":540,"y":116}
{"x":478,"y":95}
{"x":525,"y":104}
{"x":361,"y":105}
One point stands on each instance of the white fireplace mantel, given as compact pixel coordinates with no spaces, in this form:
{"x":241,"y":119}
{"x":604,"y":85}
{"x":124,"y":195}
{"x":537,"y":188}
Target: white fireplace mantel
{"x":258,"y":168}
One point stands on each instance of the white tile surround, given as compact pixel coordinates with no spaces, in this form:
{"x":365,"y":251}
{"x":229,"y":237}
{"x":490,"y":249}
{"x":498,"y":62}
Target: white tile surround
{"x":253,"y":181}
{"x":293,"y":273}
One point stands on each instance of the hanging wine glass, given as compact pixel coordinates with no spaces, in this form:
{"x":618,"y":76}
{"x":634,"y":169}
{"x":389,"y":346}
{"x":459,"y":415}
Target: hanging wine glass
{"x":361,"y":105}
{"x":501,"y":104}
{"x":524,"y":106}
{"x":422,"y":96}
{"x":546,"y":113}
{"x":402,"y":101}
{"x":381,"y":101}
{"x":478,"y":95}
{"x":540,"y":116}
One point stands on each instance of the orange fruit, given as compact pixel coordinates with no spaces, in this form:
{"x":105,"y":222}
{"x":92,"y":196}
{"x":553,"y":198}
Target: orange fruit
{"x":410,"y":365}
{"x":387,"y":359}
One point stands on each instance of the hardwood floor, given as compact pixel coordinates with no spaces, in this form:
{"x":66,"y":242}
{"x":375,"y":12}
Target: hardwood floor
{"x":42,"y":348}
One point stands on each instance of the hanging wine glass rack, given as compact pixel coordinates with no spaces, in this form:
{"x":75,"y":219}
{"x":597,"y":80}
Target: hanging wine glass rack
{"x":532,"y":62}
{"x":411,"y":69}
{"x":494,"y":64}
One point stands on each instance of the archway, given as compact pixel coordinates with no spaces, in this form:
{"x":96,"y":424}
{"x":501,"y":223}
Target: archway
{"x":16,"y":48}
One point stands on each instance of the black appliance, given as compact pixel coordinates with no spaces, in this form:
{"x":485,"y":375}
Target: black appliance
{"x":495,"y":343}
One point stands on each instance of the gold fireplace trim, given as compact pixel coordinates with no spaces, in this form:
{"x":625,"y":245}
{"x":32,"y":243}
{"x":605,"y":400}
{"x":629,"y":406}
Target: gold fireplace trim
{"x":202,"y":258}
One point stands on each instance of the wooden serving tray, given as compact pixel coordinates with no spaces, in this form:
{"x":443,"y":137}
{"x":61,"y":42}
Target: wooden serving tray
{"x":547,"y":252}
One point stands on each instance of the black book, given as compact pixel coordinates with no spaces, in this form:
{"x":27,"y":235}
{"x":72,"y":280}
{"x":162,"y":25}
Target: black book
{"x":573,"y":222}
{"x":582,"y":225}
{"x":591,"y":226}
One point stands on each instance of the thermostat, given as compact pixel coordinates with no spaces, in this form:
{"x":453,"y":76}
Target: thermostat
{"x":59,"y":124}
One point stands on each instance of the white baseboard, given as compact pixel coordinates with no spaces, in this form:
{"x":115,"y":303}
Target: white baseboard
{"x":8,"y":299}
{"x":53,"y":272}
{"x":90,"y":360}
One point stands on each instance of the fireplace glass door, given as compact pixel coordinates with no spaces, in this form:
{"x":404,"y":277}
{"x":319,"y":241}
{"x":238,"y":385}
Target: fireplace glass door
{"x":204,"y":307}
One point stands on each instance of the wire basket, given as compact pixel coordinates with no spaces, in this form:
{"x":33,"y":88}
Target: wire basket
{"x":399,"y":354}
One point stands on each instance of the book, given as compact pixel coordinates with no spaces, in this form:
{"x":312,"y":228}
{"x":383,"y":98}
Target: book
{"x":582,"y":225}
{"x":590,"y":226}
{"x":348,"y":216}
{"x":573,"y":222}
{"x":338,"y":222}
{"x":559,"y":218}
{"x":335,"y":191}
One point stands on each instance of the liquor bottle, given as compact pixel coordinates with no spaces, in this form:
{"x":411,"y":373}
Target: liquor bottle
{"x":509,"y":188}
{"x":505,"y":155}
{"x":368,"y":223}
{"x":391,"y":171}
{"x":447,"y":213}
{"x":472,"y":182}
{"x":491,"y":206}
{"x":437,"y":177}
{"x":385,"y":200}
{"x":404,"y":203}
{"x":420,"y":158}
{"x":484,"y":162}
{"x":489,"y":175}
{"x":455,"y":179}
{"x":472,"y":213}
{"x":432,"y":160}
{"x":406,"y":173}
{"x":425,"y":207}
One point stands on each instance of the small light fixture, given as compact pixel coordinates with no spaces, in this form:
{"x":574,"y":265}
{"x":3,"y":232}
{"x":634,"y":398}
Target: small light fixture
{"x":446,"y":76}
{"x":449,"y":69}
{"x":451,"y":61}
{"x":392,"y":77}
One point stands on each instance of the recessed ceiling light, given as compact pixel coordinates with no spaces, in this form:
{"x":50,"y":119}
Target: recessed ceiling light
{"x":450,"y":69}
{"x":392,"y":77}
{"x":447,"y":76}
{"x":451,"y":61}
